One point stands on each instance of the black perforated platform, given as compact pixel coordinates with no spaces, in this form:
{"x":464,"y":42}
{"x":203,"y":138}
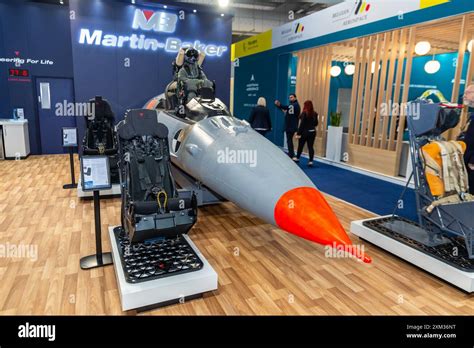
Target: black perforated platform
{"x":454,"y":253}
{"x":155,"y":259}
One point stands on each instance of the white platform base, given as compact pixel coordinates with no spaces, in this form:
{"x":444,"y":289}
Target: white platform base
{"x":114,"y":191}
{"x":463,"y":280}
{"x":160,"y":291}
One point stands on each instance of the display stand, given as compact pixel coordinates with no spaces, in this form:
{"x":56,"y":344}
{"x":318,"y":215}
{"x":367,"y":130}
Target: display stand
{"x":99,"y":259}
{"x":70,"y":142}
{"x":407,"y":250}
{"x":95,"y":176}
{"x":73,"y":178}
{"x":163,"y":291}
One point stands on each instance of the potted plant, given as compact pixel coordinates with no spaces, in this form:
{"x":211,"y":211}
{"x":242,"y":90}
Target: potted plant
{"x":334,"y":138}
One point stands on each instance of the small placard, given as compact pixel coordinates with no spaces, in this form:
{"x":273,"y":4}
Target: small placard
{"x":20,"y":113}
{"x":69,"y":137}
{"x":95,"y":172}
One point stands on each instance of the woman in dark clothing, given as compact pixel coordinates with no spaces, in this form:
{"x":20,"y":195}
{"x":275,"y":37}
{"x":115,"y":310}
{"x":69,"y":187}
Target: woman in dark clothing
{"x":469,"y":137}
{"x":260,"y":117}
{"x":307,"y":131}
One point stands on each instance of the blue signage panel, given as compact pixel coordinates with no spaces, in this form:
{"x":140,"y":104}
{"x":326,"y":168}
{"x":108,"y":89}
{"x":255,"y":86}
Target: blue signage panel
{"x":124,"y":52}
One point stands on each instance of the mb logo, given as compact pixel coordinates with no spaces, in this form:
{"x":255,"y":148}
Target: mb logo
{"x":157,"y":21}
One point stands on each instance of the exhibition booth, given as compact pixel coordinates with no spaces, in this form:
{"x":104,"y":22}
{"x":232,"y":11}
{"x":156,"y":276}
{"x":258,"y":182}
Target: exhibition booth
{"x":133,"y":179}
{"x":345,"y":59}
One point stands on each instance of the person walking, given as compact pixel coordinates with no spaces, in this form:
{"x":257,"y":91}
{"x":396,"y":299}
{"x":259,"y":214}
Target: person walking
{"x":292,"y":115}
{"x":306,"y":133}
{"x":260,"y":117}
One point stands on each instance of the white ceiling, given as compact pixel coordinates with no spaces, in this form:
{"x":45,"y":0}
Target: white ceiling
{"x":253,"y":17}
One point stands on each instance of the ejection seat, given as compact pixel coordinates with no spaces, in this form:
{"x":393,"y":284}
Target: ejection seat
{"x":100,"y":134}
{"x":177,"y":93}
{"x":443,"y":201}
{"x":152,"y":206}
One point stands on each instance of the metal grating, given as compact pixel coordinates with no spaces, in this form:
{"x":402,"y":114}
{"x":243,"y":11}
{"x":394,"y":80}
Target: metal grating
{"x":154,"y":259}
{"x":442,"y":252}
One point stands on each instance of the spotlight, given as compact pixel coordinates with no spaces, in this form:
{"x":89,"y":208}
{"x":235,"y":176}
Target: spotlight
{"x":222,"y":15}
{"x":223,"y":3}
{"x":336,"y":71}
{"x":133,"y":2}
{"x":432,"y":66}
{"x":165,"y":6}
{"x":350,"y":69}
{"x":194,"y":11}
{"x":422,"y":48}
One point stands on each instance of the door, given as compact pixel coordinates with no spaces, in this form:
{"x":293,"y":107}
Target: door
{"x":56,"y":110}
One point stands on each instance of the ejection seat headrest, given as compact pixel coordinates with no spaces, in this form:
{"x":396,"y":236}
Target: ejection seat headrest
{"x":139,"y":122}
{"x":101,"y":109}
{"x":426,"y":118}
{"x":180,"y":57}
{"x":202,"y":55}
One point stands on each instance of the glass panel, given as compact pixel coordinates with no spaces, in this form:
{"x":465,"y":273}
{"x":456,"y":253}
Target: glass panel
{"x":45,"y":95}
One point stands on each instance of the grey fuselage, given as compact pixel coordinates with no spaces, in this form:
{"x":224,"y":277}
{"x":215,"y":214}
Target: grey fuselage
{"x":226,"y":155}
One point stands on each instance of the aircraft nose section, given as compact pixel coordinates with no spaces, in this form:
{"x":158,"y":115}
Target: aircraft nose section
{"x":303,"y":211}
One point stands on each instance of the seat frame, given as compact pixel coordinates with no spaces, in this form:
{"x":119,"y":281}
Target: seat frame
{"x":167,"y":222}
{"x":106,"y":122}
{"x":451,"y":219}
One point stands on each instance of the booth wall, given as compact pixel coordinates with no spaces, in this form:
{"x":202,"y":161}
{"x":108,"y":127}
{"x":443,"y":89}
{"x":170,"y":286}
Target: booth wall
{"x":420,"y":80}
{"x":100,"y":70}
{"x":253,"y":80}
{"x":45,"y":31}
{"x":36,"y":31}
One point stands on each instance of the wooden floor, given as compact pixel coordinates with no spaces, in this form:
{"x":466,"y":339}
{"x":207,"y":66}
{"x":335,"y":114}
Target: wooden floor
{"x":262,"y":270}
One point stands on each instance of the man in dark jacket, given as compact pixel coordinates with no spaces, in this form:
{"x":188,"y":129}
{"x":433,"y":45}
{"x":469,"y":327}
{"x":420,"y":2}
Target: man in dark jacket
{"x":260,"y":117}
{"x":469,"y":154}
{"x":292,"y":113}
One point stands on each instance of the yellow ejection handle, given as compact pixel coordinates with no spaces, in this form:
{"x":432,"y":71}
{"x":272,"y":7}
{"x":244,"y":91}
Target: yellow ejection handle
{"x":165,"y":202}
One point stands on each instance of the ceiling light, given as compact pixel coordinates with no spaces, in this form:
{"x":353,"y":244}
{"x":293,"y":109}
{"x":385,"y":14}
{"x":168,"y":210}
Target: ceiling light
{"x":194,"y":11}
{"x":61,"y":2}
{"x":133,"y":2}
{"x":350,"y":69}
{"x":165,"y":6}
{"x":222,"y":15}
{"x":336,"y":71}
{"x":223,"y":3}
{"x":469,"y":45}
{"x":422,"y":48}
{"x":432,"y":66}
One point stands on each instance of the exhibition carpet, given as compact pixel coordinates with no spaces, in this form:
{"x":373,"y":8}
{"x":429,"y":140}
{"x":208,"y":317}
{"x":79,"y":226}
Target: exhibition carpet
{"x":375,"y":195}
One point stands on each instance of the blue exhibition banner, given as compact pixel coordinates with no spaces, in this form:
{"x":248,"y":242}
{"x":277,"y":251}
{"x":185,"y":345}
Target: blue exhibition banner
{"x":124,"y":52}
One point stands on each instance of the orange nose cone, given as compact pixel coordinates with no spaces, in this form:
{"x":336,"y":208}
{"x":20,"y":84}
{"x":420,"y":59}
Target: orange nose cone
{"x":304,"y":212}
